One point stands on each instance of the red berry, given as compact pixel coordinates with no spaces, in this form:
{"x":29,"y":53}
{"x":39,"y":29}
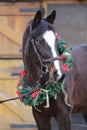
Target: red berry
{"x":63,"y":58}
{"x":19,"y":83}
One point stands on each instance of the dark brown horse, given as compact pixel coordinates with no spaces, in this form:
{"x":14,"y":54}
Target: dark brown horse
{"x":39,"y":46}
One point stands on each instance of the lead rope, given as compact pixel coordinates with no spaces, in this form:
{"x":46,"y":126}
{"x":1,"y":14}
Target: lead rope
{"x":18,"y":97}
{"x":47,"y":99}
{"x":65,"y":95}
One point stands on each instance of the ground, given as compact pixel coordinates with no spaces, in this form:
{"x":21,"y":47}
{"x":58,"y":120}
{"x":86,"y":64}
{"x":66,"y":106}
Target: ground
{"x":77,"y":119}
{"x":78,"y":123}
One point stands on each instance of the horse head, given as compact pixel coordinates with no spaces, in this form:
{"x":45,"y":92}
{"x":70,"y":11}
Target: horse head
{"x":39,"y":48}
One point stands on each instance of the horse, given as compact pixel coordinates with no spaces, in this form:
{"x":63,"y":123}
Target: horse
{"x":42,"y":63}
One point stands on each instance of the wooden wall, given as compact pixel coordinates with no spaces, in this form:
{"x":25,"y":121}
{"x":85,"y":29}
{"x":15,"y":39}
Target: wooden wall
{"x":13,"y":20}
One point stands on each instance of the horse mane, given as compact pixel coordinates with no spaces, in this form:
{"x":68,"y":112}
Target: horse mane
{"x":26,"y":34}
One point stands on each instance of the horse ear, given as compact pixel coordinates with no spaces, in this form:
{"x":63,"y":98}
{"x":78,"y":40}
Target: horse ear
{"x":37,"y":18}
{"x":51,"y":17}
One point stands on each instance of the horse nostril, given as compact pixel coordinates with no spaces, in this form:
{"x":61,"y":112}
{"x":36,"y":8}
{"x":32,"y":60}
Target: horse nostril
{"x":55,"y":75}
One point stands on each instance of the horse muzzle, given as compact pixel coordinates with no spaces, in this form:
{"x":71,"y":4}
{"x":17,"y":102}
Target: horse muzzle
{"x":53,"y":73}
{"x":55,"y":76}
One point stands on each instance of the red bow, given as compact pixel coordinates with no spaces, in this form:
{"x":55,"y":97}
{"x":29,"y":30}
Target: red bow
{"x":35,"y":93}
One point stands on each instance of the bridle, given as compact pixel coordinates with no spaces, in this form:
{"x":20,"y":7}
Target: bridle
{"x":42,"y":60}
{"x":45,"y":69}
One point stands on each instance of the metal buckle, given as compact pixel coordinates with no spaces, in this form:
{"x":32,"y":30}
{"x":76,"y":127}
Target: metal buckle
{"x":44,"y":69}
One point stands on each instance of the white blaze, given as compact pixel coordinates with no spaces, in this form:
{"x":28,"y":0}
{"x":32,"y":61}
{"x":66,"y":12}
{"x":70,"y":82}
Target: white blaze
{"x":50,"y":38}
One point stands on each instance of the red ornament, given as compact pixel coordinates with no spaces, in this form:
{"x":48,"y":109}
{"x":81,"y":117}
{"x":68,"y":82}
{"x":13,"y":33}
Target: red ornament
{"x":66,"y":68}
{"x":19,"y":94}
{"x":22,"y":73}
{"x":19,"y":84}
{"x":63,"y":58}
{"x":35,"y":93}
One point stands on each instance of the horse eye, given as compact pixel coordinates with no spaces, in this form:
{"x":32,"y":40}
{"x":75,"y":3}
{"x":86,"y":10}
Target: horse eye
{"x":39,"y":41}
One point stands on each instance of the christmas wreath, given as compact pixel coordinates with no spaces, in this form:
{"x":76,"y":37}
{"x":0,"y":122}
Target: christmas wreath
{"x":41,"y":95}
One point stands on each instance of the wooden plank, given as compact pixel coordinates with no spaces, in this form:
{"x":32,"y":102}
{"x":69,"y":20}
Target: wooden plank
{"x":10,"y":33}
{"x":13,"y":34}
{"x":23,"y":126}
{"x":4,"y":126}
{"x":20,"y":126}
{"x":9,"y":64}
{"x":12,"y":72}
{"x":13,"y":20}
{"x":15,"y":110}
{"x":9,"y":75}
{"x":7,"y":116}
{"x":24,"y":129}
{"x":16,"y":9}
{"x":65,"y":2}
{"x":9,"y":69}
{"x":9,"y":49}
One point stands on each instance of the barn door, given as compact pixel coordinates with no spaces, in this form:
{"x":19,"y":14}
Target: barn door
{"x":13,"y":20}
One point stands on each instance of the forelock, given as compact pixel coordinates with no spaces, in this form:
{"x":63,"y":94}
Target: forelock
{"x":42,"y":28}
